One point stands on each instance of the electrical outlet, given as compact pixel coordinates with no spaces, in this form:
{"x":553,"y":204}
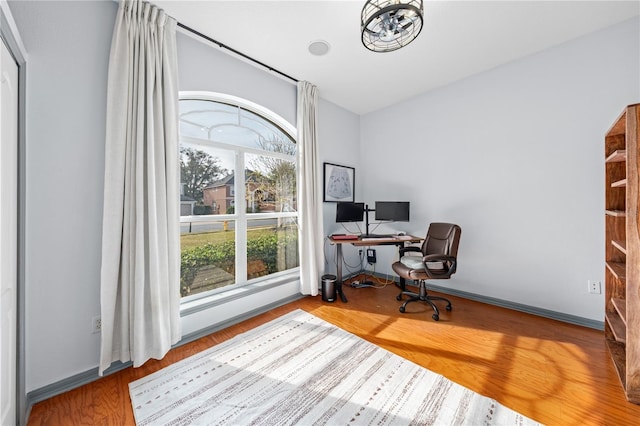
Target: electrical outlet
{"x":595,"y":287}
{"x":96,"y":324}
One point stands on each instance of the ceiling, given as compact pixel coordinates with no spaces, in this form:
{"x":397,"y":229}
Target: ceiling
{"x":459,"y":39}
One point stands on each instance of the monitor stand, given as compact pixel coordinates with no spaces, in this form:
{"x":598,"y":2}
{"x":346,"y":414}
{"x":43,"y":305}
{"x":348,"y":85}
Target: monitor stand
{"x":366,"y":224}
{"x":366,"y":220}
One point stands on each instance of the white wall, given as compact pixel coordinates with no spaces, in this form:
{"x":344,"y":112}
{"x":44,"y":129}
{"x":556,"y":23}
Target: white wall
{"x":339,"y":142}
{"x":515,"y":156}
{"x":68,"y":46}
{"x":204,"y":67}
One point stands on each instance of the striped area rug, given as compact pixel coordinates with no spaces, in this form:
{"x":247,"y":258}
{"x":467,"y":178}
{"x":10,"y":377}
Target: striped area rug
{"x":301,"y":370}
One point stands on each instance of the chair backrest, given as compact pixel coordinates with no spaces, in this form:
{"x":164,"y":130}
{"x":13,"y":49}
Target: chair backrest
{"x":442,"y":238}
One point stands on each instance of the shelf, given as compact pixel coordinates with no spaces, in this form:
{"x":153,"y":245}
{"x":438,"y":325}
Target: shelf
{"x":620,"y":245}
{"x":617,"y":156}
{"x":617,"y":326}
{"x":619,"y":184}
{"x":619,"y":357}
{"x":621,"y":307}
{"x":616,"y":213}
{"x":618,"y":269}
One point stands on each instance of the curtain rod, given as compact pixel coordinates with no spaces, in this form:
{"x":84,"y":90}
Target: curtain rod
{"x":224,"y":46}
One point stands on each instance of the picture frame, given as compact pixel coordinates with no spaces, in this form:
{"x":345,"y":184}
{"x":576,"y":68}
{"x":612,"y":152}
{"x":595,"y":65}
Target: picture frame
{"x":338,"y":183}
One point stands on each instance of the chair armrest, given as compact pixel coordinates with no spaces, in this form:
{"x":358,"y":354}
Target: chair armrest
{"x":403,"y":250}
{"x":451,"y":261}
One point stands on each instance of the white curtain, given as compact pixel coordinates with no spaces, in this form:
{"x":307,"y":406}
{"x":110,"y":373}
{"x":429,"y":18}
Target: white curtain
{"x":309,"y":195}
{"x":140,"y":273}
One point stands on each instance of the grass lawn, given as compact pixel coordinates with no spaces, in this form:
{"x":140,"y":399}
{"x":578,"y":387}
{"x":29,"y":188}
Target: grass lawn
{"x":188,"y":241}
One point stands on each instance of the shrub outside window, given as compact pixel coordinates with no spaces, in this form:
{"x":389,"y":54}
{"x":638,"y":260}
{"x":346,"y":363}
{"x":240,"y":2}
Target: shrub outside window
{"x":238,"y":201}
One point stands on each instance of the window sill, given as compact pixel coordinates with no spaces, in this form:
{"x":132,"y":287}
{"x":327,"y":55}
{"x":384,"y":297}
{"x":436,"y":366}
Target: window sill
{"x":238,"y":292}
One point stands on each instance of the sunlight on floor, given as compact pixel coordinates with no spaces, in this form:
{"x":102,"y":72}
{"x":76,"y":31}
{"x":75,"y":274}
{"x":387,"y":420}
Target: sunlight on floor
{"x":512,"y":363}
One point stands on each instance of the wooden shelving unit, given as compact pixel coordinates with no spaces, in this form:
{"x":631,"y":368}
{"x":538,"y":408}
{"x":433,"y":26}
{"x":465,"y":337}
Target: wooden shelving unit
{"x":622,"y":249}
{"x":620,"y":245}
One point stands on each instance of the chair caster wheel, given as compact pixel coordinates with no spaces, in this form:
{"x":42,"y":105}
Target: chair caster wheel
{"x":436,"y":317}
{"x":401,"y":309}
{"x":448,"y":308}
{"x":399,"y":297}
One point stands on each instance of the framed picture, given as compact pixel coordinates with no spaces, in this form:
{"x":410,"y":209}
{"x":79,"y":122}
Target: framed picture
{"x":339,"y":183}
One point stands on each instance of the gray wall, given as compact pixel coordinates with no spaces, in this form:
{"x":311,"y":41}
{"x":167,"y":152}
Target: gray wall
{"x":515,"y":156}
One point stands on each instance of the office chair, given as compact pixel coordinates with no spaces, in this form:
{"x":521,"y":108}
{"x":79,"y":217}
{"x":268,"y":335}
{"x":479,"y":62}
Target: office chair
{"x":438,"y":262}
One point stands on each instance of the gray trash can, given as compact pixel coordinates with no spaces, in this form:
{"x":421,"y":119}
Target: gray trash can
{"x":329,"y":288}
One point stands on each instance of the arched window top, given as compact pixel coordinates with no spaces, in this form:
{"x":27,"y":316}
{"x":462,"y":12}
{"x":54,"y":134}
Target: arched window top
{"x":232,"y":120}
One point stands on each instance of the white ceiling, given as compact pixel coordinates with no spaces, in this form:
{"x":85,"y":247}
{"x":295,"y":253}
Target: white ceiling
{"x":459,"y":39}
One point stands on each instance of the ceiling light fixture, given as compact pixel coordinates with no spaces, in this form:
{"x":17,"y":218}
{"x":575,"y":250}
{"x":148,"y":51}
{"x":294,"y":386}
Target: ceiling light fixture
{"x":388,"y":25}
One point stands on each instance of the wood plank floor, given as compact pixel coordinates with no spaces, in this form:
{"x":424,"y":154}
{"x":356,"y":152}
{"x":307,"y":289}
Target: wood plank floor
{"x":555,"y":373}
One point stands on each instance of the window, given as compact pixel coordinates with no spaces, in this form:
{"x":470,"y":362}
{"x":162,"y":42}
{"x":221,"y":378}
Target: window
{"x":238,"y":203}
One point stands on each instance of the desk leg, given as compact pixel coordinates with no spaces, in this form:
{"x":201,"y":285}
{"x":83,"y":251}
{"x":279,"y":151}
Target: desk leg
{"x":402,"y":283}
{"x":339,"y":273}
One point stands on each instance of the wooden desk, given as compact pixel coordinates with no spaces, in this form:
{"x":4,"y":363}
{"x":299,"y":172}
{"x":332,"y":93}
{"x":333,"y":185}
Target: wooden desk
{"x":398,"y":241}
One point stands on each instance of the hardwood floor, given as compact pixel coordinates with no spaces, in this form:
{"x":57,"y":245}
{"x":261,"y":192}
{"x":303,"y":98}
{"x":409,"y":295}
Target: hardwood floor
{"x":555,"y":373}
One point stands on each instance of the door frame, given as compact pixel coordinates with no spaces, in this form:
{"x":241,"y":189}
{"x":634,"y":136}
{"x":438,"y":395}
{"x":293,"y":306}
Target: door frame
{"x":9,"y":33}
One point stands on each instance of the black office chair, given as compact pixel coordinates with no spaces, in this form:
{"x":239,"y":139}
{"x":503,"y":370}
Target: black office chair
{"x":438,"y":262}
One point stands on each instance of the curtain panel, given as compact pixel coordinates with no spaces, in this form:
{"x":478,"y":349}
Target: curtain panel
{"x":309,"y":194}
{"x":140,"y":272}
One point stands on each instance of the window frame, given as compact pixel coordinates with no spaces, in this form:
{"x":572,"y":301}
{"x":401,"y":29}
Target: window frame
{"x":240,"y":216}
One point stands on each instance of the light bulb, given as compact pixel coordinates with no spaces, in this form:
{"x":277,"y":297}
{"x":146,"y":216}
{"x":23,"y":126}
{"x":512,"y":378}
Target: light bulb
{"x":389,"y":27}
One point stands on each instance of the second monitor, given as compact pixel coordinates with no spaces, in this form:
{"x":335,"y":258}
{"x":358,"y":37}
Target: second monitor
{"x":397,"y":211}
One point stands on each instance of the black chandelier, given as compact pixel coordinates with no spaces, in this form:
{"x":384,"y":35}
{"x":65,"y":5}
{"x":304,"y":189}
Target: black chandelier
{"x":388,"y":25}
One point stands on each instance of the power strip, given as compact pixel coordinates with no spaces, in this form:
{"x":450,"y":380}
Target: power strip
{"x":358,"y":284}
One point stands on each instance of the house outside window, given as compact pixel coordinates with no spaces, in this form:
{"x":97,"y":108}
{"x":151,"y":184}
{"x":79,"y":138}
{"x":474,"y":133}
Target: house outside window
{"x":238,"y":168}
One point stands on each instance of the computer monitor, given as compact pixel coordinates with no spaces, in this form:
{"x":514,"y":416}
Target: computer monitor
{"x":349,"y":212}
{"x":397,"y":211}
